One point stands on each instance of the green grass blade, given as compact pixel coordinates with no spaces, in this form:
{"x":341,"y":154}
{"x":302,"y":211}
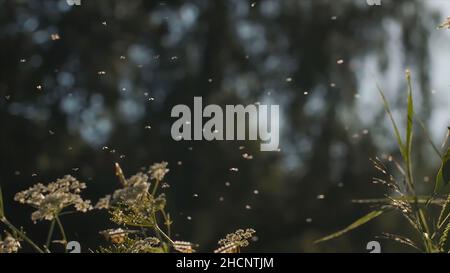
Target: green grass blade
{"x":394,"y":124}
{"x":444,"y":212}
{"x":401,"y":240}
{"x":361,"y":221}
{"x":409,"y":135}
{"x":410,"y":116}
{"x":446,"y":138}
{"x":420,"y":200}
{"x":444,"y":241}
{"x":443,"y":176}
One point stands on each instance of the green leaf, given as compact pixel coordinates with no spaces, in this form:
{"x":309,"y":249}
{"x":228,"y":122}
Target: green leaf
{"x":443,"y":176}
{"x":361,"y":221}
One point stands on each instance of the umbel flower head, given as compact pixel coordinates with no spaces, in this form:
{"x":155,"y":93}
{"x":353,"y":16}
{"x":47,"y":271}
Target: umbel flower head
{"x":50,"y":200}
{"x":146,"y":245}
{"x":9,"y":244}
{"x":134,"y":245}
{"x":157,"y":171}
{"x":183,"y":247}
{"x":104,"y":203}
{"x":139,"y":213}
{"x":116,"y":236}
{"x":239,"y":237}
{"x":135,"y":187}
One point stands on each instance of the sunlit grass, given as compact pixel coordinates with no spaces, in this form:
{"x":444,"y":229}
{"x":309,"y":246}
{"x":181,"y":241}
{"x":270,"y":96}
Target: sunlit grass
{"x":432,"y":233}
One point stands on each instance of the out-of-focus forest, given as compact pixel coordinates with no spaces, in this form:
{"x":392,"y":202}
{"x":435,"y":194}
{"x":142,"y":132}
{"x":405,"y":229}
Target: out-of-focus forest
{"x":82,"y":87}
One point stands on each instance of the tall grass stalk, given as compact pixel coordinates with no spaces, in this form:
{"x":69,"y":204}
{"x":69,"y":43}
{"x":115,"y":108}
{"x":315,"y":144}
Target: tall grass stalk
{"x":415,"y":208}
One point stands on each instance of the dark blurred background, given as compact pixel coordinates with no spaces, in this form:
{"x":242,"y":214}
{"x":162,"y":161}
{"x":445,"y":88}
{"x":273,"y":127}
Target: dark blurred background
{"x":100,"y":90}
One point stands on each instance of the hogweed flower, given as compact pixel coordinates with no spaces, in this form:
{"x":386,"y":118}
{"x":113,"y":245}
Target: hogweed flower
{"x":145,"y":245}
{"x":134,"y":188}
{"x":116,"y":236}
{"x":230,"y":248}
{"x":183,"y":247}
{"x":157,"y":171}
{"x":103,"y":203}
{"x":50,"y":200}
{"x":9,"y":244}
{"x":136,"y":207}
{"x":83,"y":206}
{"x":135,"y":245}
{"x":234,"y":241}
{"x":139,"y":213}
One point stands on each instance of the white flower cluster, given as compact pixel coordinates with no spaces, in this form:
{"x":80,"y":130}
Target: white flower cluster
{"x":239,"y":237}
{"x":51,"y":199}
{"x":9,"y":245}
{"x":158,"y":171}
{"x":134,"y":187}
{"x":145,"y":245}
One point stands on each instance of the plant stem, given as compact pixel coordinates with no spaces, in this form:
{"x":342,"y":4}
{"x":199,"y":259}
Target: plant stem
{"x":22,"y":235}
{"x":50,"y":234}
{"x":155,"y":187}
{"x":409,"y":174}
{"x":63,"y":233}
{"x":424,"y":229}
{"x":161,"y":232}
